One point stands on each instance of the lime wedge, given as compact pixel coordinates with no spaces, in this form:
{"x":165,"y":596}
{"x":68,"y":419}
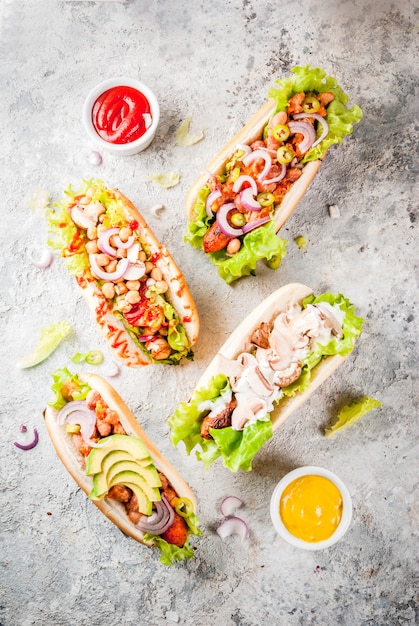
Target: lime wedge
{"x":49,"y":339}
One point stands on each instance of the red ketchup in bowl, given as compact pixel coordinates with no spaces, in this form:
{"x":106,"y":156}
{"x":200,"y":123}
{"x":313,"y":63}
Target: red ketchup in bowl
{"x":121,"y":115}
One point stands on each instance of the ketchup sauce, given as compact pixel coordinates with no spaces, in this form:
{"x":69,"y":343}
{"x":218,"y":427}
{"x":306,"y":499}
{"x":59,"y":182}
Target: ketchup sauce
{"x":121,"y":115}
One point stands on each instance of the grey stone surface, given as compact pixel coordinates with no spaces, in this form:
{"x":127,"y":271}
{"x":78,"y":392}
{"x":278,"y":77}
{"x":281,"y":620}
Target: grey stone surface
{"x":63,"y":563}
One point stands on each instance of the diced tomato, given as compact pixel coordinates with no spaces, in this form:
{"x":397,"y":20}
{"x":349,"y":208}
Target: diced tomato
{"x":133,"y":225}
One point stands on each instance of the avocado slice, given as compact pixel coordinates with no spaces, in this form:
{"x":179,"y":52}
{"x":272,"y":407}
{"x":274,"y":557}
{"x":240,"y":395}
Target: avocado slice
{"x":103,"y":479}
{"x":123,"y":478}
{"x":132,"y":445}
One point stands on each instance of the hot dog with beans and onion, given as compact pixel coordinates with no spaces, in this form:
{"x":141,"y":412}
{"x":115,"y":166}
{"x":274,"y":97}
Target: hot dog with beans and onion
{"x":136,"y":292}
{"x":113,"y":461}
{"x":275,"y":359}
{"x":251,"y":187}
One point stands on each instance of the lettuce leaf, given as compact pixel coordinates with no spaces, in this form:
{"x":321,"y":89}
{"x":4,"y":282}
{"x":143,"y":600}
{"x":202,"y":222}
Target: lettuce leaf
{"x":238,"y":448}
{"x":49,"y":340}
{"x":169,"y":552}
{"x":63,"y":377}
{"x":348,"y":415}
{"x":339,"y":118}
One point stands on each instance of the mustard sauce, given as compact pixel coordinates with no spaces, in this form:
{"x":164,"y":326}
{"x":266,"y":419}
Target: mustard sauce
{"x":311,"y":508}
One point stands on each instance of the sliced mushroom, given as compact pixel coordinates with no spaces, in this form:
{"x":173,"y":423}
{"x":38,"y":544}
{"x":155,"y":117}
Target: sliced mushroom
{"x":87,"y":215}
{"x":286,"y":377}
{"x":260,"y":336}
{"x":258,"y":382}
{"x":328,"y":315}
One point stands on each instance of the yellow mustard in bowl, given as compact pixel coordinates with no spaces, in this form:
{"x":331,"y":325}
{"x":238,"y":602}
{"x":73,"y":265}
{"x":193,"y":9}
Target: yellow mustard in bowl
{"x":311,"y":508}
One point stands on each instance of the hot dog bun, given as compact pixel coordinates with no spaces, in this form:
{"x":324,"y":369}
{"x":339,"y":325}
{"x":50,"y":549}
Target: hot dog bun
{"x":249,"y":133}
{"x":113,"y":327}
{"x":74,"y":461}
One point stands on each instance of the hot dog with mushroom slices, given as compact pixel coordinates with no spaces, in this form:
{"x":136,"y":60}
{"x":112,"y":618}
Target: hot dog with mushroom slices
{"x":134,"y":288}
{"x":269,"y":366}
{"x":111,"y":458}
{"x":251,"y":187}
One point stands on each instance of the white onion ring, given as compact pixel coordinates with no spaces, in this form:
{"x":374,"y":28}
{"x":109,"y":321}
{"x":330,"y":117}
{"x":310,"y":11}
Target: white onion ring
{"x":307,"y":131}
{"x":232,"y":526}
{"x":116,"y":275}
{"x":81,"y":415}
{"x":243,"y":146}
{"x":124,"y":244}
{"x":223,"y":224}
{"x":103,"y":242}
{"x":229,"y":504}
{"x":259,"y":154}
{"x":211,"y":198}
{"x":135,"y":271}
{"x":44,"y":260}
{"x":133,"y":252}
{"x":248,"y":201}
{"x":269,"y":181}
{"x":245,"y":179}
{"x":255,"y":224}
{"x":320,"y":119}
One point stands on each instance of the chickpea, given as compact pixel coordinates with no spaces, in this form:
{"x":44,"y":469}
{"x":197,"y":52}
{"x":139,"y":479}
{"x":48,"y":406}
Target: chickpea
{"x":121,"y":288}
{"x":156,"y":273}
{"x":104,"y":429}
{"x":84,"y":200}
{"x":132,"y":297}
{"x":142,"y":256}
{"x":92,"y":232}
{"x":133,"y":285}
{"x":101,"y":218}
{"x":162,"y":286}
{"x":102,"y":260}
{"x":125,"y":233}
{"x":100,"y":229}
{"x":112,"y":265}
{"x":108,"y":290}
{"x":124,"y":307}
{"x":233,"y":246}
{"x":91,"y":247}
{"x":121,"y":253}
{"x":148,"y":267}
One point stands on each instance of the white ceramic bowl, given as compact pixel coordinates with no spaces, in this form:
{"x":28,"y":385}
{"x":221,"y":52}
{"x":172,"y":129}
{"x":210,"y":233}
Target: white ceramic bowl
{"x":125,"y":149}
{"x":276,"y":517}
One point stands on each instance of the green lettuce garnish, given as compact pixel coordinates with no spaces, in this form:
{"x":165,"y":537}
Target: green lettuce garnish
{"x":238,"y":448}
{"x":49,"y":340}
{"x":339,"y":118}
{"x":61,"y":377}
{"x":262,"y":242}
{"x":348,"y":415}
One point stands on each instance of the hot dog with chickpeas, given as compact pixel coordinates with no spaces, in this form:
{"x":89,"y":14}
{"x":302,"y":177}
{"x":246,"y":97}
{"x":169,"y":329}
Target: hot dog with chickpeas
{"x":268,"y":367}
{"x":113,"y":461}
{"x":134,"y":288}
{"x":252,"y":186}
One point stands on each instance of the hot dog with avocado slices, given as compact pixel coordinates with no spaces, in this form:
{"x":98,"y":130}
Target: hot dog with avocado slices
{"x":135,"y":290}
{"x":251,"y":187}
{"x":114,"y":462}
{"x":268,"y":367}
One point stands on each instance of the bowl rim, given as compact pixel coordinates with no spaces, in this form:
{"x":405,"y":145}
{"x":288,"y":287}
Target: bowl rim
{"x":117,"y":81}
{"x":308,"y":470}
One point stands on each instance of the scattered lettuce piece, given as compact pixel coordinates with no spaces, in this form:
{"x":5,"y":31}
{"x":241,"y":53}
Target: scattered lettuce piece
{"x":184,"y":138}
{"x":49,"y":340}
{"x":169,"y":179}
{"x":351,"y":413}
{"x":301,"y":242}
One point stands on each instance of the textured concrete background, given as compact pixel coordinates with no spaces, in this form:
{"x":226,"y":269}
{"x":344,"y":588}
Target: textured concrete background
{"x":62,"y":562}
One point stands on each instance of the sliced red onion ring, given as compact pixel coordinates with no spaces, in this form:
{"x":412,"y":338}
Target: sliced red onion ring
{"x":124,"y":244}
{"x":248,"y":201}
{"x":159,"y":521}
{"x":225,"y":227}
{"x":44,"y":260}
{"x":269,"y":181}
{"x":232,"y":526}
{"x":320,"y":119}
{"x":259,"y":154}
{"x":81,"y":415}
{"x":255,"y":224}
{"x":135,"y":271}
{"x":229,"y":504}
{"x":103,"y":241}
{"x":245,"y":179}
{"x":243,"y":146}
{"x":211,"y":198}
{"x":116,"y":275}
{"x":113,"y":370}
{"x":28,"y":446}
{"x":307,"y":131}
{"x":95,"y":158}
{"x":145,"y":338}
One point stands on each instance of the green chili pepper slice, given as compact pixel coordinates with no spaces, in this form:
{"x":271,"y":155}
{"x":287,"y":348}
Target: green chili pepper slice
{"x":284,"y":155}
{"x":265,"y":198}
{"x":238,"y":219}
{"x":281,"y":132}
{"x":310,"y":104}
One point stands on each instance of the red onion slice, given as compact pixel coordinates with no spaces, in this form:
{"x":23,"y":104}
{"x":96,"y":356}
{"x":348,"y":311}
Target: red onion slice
{"x":43,"y":261}
{"x":307,"y":131}
{"x":320,"y":119}
{"x":103,"y":241}
{"x":255,"y":224}
{"x":229,"y":504}
{"x":135,"y":271}
{"x":28,"y":446}
{"x":211,"y":198}
{"x":159,"y":521}
{"x":245,"y":179}
{"x":114,"y":370}
{"x":259,"y":154}
{"x":116,"y":275}
{"x":225,"y":227}
{"x":76,"y":412}
{"x":248,"y":201}
{"x":232,"y":526}
{"x":124,"y":244}
{"x":269,"y":181}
